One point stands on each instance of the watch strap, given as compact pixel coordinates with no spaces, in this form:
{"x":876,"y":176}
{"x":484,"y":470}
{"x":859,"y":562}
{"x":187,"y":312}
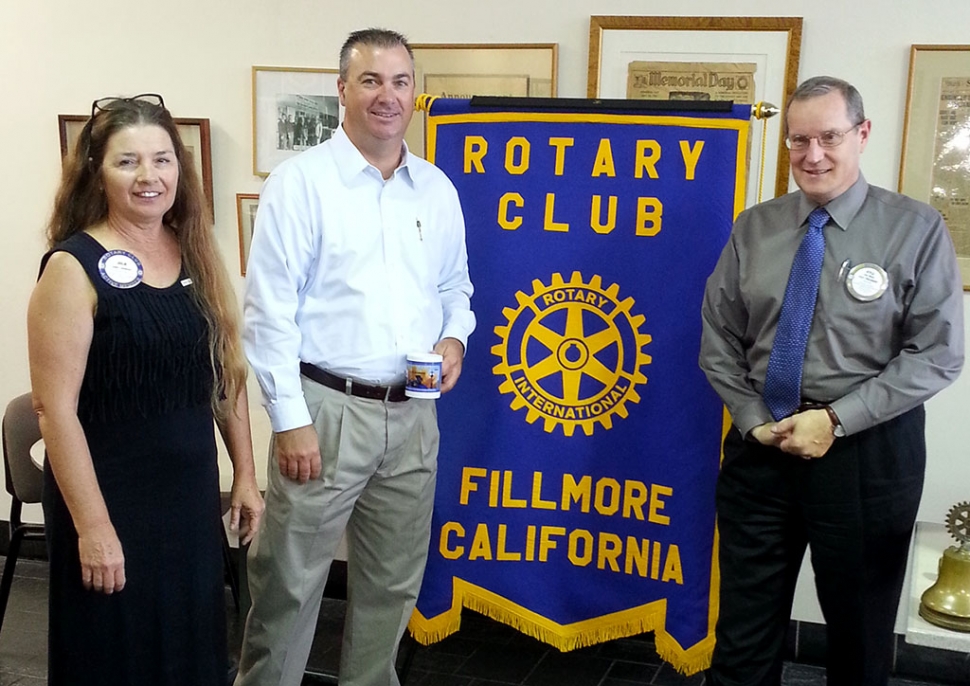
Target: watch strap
{"x":837,"y":428}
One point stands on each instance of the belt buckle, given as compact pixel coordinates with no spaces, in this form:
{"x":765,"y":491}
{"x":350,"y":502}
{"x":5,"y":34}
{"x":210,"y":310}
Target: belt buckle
{"x":348,"y":386}
{"x":387,"y":393}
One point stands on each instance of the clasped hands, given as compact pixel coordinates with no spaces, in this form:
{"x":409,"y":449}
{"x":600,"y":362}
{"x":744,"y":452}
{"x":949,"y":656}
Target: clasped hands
{"x":806,"y":434}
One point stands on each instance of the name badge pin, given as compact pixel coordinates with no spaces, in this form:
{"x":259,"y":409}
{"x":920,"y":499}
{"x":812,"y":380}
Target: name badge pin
{"x":867,"y":281}
{"x":120,"y":269}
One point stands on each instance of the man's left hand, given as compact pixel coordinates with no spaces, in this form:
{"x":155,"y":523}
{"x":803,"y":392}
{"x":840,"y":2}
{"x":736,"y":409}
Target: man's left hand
{"x":809,"y":433}
{"x":452,"y":353}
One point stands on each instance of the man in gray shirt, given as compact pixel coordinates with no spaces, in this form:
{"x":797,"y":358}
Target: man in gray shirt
{"x":827,"y":446}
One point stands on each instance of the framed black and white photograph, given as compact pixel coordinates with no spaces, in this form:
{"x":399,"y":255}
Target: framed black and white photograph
{"x":246,"y":206}
{"x":293,"y":109}
{"x":193,"y":132}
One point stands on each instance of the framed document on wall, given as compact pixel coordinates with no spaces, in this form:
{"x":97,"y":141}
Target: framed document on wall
{"x":462,"y":70}
{"x":936,"y":139}
{"x":765,"y":49}
{"x":246,"y":206}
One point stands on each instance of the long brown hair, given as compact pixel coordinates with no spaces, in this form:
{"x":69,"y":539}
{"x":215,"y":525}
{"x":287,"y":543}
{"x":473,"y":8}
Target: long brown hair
{"x":80,"y":203}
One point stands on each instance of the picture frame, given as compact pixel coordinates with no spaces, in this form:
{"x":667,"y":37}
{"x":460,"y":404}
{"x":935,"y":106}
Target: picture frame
{"x":931,"y":167}
{"x":195,"y":137}
{"x":246,"y":206}
{"x":771,"y":43}
{"x":460,"y":70}
{"x":294,"y":108}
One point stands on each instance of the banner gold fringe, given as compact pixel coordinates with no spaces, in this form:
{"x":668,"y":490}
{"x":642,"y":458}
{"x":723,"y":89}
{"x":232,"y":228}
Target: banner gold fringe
{"x":623,"y":624}
{"x":427,"y":631}
{"x":691,"y":661}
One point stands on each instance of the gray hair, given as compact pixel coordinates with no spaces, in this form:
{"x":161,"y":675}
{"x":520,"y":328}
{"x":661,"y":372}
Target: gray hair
{"x":818,"y":86}
{"x":376,"y":38}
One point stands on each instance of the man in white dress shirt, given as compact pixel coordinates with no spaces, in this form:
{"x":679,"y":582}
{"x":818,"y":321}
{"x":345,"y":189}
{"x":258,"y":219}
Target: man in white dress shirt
{"x":358,"y":258}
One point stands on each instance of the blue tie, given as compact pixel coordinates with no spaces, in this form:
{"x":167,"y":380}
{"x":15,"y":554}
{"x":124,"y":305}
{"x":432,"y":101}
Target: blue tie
{"x":783,"y":381}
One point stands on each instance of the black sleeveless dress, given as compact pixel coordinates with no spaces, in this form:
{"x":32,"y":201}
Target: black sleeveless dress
{"x":144,"y":407}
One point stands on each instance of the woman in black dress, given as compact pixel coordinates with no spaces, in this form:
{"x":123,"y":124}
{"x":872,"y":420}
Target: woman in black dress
{"x":134,"y":349}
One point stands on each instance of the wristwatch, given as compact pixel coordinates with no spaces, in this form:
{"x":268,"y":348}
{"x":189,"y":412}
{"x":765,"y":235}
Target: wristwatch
{"x":837,"y":429}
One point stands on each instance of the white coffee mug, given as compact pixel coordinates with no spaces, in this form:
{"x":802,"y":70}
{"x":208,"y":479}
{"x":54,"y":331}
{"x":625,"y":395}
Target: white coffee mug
{"x":423,"y":375}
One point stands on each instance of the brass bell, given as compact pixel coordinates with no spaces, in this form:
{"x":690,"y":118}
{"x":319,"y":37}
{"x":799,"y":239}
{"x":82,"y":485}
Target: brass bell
{"x":947,"y":602}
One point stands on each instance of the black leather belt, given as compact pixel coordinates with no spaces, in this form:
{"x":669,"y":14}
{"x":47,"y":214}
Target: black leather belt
{"x":393,"y":394}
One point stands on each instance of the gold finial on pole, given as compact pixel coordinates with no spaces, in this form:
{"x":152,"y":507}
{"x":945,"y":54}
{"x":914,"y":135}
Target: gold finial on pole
{"x":764,"y":110}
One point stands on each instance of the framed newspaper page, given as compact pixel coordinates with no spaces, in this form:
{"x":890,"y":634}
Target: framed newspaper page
{"x":193,"y":132}
{"x":709,"y":58}
{"x":936,"y":139}
{"x":246,"y":206}
{"x":461,"y":70}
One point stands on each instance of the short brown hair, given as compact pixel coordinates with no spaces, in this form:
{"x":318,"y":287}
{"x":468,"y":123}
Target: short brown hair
{"x":377,"y":38}
{"x":818,"y":86}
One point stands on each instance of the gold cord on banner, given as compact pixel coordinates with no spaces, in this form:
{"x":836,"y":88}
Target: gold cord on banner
{"x":422,"y":103}
{"x":763,"y":111}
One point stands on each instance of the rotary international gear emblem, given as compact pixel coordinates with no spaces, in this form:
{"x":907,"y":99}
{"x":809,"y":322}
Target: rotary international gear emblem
{"x":571,"y":354}
{"x":958,"y":522}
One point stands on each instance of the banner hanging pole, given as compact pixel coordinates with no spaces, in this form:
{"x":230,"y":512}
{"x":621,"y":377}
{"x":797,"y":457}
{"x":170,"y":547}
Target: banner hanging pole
{"x":760,"y":110}
{"x":763,"y":111}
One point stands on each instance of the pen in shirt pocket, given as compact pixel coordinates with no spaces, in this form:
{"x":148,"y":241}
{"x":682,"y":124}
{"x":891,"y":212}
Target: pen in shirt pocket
{"x":843,"y":270}
{"x":420,"y":235}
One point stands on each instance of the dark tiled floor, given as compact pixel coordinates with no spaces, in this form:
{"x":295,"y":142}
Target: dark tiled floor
{"x":483,"y":653}
{"x":487,"y":653}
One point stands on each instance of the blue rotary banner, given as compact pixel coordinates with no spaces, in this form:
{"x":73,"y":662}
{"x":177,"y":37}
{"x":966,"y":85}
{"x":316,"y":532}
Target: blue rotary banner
{"x":579,"y":451}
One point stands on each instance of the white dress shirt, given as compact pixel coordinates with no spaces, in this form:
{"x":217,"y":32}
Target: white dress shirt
{"x":350,"y":272}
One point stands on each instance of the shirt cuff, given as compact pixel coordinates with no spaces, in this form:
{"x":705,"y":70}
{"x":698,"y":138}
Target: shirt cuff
{"x":751,"y":415}
{"x":852,"y":413}
{"x":291,"y":413}
{"x":459,"y":330}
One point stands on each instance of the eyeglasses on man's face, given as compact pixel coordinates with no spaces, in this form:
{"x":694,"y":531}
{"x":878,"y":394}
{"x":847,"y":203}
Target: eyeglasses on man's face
{"x":826,"y":139}
{"x":103,"y":104}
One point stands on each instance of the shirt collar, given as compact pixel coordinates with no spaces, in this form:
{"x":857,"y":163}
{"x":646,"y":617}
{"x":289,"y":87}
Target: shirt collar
{"x":842,"y":209}
{"x":351,"y":163}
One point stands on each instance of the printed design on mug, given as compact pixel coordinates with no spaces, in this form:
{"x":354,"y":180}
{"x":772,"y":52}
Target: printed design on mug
{"x":571,"y":353}
{"x":423,"y":375}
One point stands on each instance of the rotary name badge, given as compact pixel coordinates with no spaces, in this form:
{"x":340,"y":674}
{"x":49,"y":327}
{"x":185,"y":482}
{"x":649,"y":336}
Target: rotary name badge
{"x":120,"y":269}
{"x":867,"y":281}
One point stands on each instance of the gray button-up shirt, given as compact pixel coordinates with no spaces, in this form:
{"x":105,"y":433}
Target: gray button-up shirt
{"x":870,"y":360}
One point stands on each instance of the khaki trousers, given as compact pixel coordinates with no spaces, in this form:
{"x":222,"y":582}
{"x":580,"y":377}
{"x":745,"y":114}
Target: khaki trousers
{"x":379,"y":461}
